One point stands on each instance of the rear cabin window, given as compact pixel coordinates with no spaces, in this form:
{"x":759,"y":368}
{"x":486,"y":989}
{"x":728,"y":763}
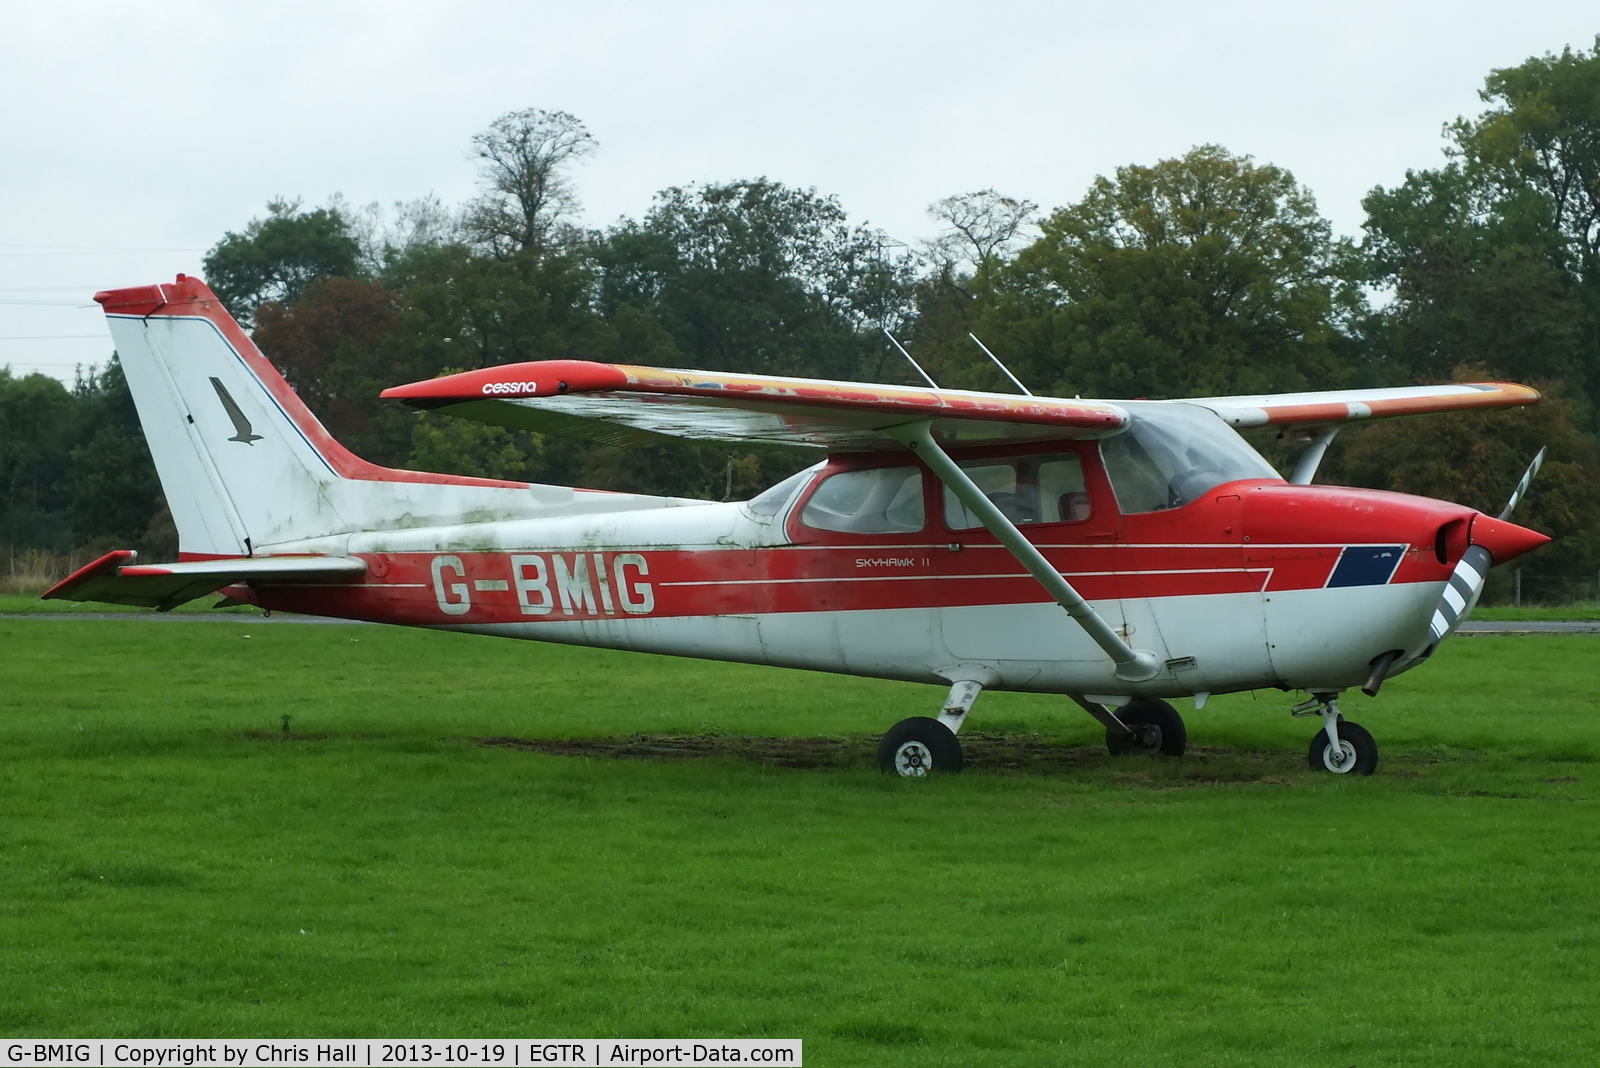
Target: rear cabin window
{"x":877,"y":500}
{"x":1047,"y":488}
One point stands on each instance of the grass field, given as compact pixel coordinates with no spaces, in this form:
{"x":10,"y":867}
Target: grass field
{"x":172,"y":862}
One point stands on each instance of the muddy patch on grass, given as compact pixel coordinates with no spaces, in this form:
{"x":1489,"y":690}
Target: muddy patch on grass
{"x":998,"y":754}
{"x":263,"y":735}
{"x":799,"y":753}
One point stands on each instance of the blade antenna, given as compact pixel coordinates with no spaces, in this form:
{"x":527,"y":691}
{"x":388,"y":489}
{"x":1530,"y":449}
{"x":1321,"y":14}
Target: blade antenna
{"x":1026,"y":391}
{"x":907,"y":355}
{"x":1522,"y":487}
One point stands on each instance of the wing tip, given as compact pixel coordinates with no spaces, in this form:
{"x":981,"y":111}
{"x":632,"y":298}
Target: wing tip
{"x":541,"y":378}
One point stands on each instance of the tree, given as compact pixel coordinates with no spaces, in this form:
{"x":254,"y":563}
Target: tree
{"x":74,"y":466}
{"x":980,"y":229}
{"x":979,"y":233}
{"x":526,"y":195}
{"x":338,"y":349}
{"x":36,"y":430}
{"x":755,"y":276}
{"x":276,"y":258}
{"x":1199,"y":275}
{"x":115,"y":494}
{"x":1494,"y":258}
{"x":462,"y":447}
{"x":1539,"y":142}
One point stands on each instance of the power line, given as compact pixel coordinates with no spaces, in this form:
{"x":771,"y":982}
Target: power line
{"x":51,"y":249}
{"x":50,"y":337}
{"x":51,"y":367}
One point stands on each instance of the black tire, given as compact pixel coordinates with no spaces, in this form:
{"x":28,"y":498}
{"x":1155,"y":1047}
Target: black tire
{"x":914,"y":747}
{"x":1157,"y":730}
{"x":1361,"y":752}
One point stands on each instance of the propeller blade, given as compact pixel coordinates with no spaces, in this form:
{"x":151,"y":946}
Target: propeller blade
{"x":1522,"y":487}
{"x":1466,"y":582}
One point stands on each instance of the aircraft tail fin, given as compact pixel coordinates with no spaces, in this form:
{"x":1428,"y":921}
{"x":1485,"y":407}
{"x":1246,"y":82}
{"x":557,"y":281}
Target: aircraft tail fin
{"x":243,"y":462}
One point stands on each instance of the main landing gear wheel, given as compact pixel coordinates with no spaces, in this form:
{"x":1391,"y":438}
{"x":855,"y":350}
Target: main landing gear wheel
{"x":1157,"y":728}
{"x":1357,"y":753}
{"x":914,"y":747}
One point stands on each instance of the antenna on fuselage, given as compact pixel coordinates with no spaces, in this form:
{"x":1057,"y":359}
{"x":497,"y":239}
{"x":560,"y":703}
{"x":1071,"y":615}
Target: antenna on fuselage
{"x":907,"y":355}
{"x":997,"y":363}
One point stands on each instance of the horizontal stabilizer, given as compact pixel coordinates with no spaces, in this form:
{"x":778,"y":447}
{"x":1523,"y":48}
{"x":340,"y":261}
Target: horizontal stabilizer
{"x":621,"y":404}
{"x":115,"y":579}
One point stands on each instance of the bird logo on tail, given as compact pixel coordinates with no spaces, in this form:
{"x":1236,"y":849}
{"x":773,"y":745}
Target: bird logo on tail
{"x":241,"y":425}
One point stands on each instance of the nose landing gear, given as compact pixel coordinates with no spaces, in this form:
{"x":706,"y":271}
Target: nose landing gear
{"x":1341,"y":747}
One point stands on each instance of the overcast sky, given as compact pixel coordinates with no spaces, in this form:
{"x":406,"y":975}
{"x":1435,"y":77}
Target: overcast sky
{"x":133,"y":136}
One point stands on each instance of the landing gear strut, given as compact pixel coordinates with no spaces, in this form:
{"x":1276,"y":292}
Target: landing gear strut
{"x":1340,"y":747}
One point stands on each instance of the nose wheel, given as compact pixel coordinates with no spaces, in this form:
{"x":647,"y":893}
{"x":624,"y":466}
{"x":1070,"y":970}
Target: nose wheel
{"x":1340,"y":747}
{"x":1356,"y":754}
{"x":918,"y":746}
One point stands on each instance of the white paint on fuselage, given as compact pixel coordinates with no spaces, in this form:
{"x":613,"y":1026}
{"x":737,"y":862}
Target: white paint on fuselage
{"x":1327,"y":639}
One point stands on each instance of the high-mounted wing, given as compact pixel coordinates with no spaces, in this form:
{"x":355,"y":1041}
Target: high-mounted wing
{"x":620,"y":404}
{"x":1346,"y":405}
{"x":115,"y":579}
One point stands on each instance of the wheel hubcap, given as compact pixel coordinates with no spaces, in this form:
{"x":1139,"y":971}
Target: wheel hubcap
{"x":913,"y":759}
{"x":1343,"y":760}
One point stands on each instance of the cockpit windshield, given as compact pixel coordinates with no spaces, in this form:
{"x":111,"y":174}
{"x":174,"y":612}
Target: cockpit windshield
{"x":1171,"y":454}
{"x":770,"y":501}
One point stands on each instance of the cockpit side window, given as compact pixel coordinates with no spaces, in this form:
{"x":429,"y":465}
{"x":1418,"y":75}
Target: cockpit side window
{"x":1047,"y":488}
{"x":1172,"y":454}
{"x":875,"y":500}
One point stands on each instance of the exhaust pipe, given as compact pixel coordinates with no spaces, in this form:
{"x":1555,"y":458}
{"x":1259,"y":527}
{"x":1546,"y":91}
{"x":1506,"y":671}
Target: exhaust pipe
{"x":1380,"y":670}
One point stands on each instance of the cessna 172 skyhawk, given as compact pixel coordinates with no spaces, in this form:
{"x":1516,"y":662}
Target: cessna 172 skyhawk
{"x":938,"y":542}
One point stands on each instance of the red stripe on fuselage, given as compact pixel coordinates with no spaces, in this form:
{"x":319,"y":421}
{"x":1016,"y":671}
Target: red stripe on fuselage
{"x":545,"y":585}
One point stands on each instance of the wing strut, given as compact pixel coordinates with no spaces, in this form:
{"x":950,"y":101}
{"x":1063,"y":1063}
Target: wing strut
{"x":1311,"y":459}
{"x":1133,"y":665}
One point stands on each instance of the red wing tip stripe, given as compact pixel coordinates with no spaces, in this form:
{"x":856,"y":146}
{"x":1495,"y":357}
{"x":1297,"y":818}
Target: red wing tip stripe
{"x":1496,"y":395}
{"x":542,"y":378}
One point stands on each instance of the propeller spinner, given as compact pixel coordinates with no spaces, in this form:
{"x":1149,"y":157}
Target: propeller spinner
{"x":1493,"y":541}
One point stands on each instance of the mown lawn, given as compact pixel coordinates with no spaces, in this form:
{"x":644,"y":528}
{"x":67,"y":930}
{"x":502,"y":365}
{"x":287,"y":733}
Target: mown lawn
{"x":172,"y":862}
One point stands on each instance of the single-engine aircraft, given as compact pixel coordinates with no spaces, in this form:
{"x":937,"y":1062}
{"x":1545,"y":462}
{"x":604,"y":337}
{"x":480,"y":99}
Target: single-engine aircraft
{"x":938,"y":542}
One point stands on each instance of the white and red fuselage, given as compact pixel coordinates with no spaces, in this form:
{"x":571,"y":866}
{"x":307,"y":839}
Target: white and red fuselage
{"x":1229,"y":591}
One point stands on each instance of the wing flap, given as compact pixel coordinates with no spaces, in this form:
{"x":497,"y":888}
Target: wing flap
{"x":115,"y":579}
{"x":623,"y":404}
{"x":1348,"y":405}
